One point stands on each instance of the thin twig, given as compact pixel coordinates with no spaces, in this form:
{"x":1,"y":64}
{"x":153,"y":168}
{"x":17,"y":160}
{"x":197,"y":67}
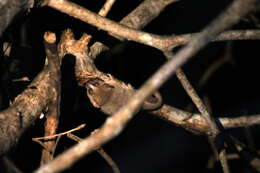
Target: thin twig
{"x":223,"y":160}
{"x":231,"y":156}
{"x":204,"y":113}
{"x":197,"y":101}
{"x":203,"y":110}
{"x":224,"y":36}
{"x":41,"y":144}
{"x":106,"y":8}
{"x":55,"y":146}
{"x":100,"y":151}
{"x":60,"y":134}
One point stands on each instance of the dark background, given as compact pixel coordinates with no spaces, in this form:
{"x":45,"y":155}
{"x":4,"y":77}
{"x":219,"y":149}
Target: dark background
{"x":148,"y":144}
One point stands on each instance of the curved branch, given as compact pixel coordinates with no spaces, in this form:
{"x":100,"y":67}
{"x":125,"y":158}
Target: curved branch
{"x":137,"y":19}
{"x":144,"y":14}
{"x":163,"y":43}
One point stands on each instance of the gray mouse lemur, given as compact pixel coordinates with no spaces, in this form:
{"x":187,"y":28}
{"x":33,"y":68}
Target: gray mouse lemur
{"x":111,"y":98}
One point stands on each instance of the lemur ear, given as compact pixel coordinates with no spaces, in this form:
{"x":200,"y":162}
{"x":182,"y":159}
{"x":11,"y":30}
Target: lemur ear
{"x":94,"y":82}
{"x":153,"y":102}
{"x":98,"y":91}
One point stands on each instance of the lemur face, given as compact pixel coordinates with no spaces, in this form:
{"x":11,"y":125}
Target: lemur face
{"x":98,"y":91}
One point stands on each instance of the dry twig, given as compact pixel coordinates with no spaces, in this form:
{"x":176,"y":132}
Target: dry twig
{"x":49,"y":150}
{"x":59,"y":134}
{"x":106,"y":8}
{"x":214,"y":131}
{"x":53,"y":112}
{"x":100,"y":151}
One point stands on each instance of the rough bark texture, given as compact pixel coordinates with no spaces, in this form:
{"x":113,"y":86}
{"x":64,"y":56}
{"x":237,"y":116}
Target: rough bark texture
{"x":28,"y":106}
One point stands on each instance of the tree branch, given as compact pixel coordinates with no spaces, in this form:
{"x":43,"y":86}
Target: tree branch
{"x":163,"y":43}
{"x":144,"y":14}
{"x":28,"y":106}
{"x":106,"y":8}
{"x":195,"y":123}
{"x":53,"y":112}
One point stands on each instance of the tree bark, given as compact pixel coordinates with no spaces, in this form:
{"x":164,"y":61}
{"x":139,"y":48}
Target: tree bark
{"x":28,"y":106}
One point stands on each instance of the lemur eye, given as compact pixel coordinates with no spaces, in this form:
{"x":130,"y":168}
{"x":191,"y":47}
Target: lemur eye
{"x":90,"y":90}
{"x":109,"y":86}
{"x":94,"y":82}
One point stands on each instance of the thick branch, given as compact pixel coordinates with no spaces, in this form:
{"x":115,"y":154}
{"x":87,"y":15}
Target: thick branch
{"x":160,"y":42}
{"x":27,"y":107}
{"x":137,"y":19}
{"x":94,"y":19}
